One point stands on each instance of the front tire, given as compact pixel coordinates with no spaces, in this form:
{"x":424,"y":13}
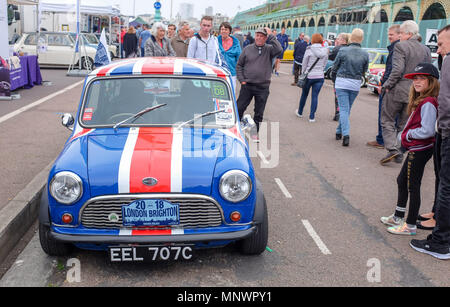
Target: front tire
{"x":50,"y":246}
{"x":256,"y":244}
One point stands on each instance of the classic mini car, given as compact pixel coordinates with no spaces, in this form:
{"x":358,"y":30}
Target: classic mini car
{"x":156,"y":166}
{"x":288,"y":55}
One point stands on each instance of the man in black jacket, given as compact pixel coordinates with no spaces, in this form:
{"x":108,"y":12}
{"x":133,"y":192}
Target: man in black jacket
{"x":254,"y":72}
{"x":299,"y":51}
{"x":438,"y":243}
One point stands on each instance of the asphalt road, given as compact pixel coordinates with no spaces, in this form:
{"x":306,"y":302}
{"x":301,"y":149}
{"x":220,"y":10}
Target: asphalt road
{"x":324,"y":203}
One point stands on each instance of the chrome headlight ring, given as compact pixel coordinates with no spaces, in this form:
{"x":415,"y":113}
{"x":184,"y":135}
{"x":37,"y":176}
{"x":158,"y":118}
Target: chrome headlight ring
{"x":235,"y":186}
{"x":66,"y":188}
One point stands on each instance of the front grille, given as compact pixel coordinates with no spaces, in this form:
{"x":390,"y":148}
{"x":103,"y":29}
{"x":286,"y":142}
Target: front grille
{"x":195,"y":212}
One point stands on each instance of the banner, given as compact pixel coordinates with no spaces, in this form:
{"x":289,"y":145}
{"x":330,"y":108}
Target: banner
{"x":431,"y":40}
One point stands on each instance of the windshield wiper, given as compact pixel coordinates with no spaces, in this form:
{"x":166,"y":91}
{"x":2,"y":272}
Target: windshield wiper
{"x":198,"y":117}
{"x":137,"y":115}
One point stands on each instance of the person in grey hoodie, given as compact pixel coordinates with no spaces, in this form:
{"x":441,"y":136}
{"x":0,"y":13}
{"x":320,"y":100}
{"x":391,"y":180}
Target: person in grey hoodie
{"x":314,"y":62}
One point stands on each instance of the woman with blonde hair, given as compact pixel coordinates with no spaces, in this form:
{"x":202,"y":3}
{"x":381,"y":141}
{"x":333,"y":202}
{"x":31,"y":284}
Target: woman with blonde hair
{"x":350,"y":67}
{"x":130,"y":43}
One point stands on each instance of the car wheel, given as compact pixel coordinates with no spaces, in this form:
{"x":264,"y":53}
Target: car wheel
{"x":50,"y":246}
{"x":87,"y":64}
{"x":256,"y":244}
{"x":363,"y":81}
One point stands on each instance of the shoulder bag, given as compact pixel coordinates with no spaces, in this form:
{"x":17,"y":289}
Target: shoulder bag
{"x":302,"y":79}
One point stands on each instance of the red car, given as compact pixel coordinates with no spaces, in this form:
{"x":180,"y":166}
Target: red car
{"x":374,"y":80}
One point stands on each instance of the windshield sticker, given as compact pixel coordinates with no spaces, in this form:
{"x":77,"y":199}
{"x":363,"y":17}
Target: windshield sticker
{"x":87,"y":116}
{"x":227,"y":117}
{"x":219,"y":91}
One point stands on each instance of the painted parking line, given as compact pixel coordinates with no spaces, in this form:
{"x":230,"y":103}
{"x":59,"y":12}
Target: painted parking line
{"x":261,"y":156}
{"x":38,"y":102}
{"x":323,"y":248}
{"x":283,"y":188}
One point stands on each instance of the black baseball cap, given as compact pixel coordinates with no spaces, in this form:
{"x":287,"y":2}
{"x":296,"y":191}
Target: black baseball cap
{"x":426,"y":69}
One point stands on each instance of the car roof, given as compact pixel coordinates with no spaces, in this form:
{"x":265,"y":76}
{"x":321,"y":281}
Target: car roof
{"x":49,"y":32}
{"x":161,"y":66}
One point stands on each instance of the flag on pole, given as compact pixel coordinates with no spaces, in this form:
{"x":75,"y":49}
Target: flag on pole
{"x":102,"y":56}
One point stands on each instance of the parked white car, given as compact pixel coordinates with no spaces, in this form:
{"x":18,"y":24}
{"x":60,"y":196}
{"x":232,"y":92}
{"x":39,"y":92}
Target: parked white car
{"x":59,"y":49}
{"x":93,"y":39}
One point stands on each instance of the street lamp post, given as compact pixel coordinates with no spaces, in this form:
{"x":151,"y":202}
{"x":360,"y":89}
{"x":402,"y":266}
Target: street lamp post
{"x":157,"y":6}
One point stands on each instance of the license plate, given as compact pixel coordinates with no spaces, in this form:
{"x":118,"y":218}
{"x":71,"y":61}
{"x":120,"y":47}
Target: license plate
{"x":150,"y":253}
{"x":150,"y":212}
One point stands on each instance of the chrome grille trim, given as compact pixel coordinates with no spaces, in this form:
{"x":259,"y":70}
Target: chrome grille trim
{"x":196,"y":211}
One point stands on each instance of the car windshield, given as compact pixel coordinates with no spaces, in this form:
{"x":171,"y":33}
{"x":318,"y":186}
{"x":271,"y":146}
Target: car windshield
{"x":372,"y":56}
{"x":92,"y":39}
{"x":110,"y":101}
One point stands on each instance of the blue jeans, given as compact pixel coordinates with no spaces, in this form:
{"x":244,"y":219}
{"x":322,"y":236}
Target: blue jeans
{"x":345,"y":101}
{"x":316,"y":85}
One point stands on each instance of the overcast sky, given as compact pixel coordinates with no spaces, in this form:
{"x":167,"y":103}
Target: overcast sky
{"x":225,"y":7}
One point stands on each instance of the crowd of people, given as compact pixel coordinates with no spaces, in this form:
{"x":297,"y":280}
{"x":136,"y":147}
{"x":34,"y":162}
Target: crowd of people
{"x":414,"y":105}
{"x":414,"y":118}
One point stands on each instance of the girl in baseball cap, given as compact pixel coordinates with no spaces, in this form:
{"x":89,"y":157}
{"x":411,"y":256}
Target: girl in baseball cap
{"x":418,"y":140}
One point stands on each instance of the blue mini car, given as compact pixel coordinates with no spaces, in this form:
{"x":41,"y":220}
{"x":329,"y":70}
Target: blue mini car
{"x":156,"y":166}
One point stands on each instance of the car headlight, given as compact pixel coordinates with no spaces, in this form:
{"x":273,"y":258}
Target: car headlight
{"x":235,"y":186}
{"x":66,"y":188}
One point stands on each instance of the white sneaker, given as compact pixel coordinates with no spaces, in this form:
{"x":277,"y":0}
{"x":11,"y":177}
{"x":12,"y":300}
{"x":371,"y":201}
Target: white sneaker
{"x":298,"y":115}
{"x":312,"y":120}
{"x":391,"y":220}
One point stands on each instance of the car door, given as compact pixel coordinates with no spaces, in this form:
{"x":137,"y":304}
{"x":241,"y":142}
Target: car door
{"x":60,"y":50}
{"x":28,"y":46}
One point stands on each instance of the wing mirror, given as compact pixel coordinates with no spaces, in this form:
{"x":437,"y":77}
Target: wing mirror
{"x":247,"y":122}
{"x":67,"y":121}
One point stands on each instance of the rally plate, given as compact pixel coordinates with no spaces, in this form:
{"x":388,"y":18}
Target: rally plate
{"x":150,"y":212}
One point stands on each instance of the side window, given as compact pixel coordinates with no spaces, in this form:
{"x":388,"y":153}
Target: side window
{"x":58,"y":40}
{"x":31,"y":40}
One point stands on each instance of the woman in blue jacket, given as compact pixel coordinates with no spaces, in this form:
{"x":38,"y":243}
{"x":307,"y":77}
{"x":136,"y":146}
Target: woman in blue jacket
{"x":230,"y":48}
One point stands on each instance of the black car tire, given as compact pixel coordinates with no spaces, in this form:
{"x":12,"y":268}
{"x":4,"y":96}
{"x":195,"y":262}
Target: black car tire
{"x":85,"y":64}
{"x":256,"y":244}
{"x":363,"y":81}
{"x":50,"y":246}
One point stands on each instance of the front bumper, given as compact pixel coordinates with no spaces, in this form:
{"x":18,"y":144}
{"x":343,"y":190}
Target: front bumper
{"x":185,"y":238}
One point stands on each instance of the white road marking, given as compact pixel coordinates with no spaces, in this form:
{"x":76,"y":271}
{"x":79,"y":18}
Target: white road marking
{"x":323,"y":248}
{"x":283,"y":188}
{"x":36,"y":103}
{"x":261,"y":156}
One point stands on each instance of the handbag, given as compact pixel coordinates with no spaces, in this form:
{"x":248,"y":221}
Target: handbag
{"x":302,"y":78}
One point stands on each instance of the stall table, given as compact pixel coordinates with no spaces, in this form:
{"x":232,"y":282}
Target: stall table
{"x":28,"y":75}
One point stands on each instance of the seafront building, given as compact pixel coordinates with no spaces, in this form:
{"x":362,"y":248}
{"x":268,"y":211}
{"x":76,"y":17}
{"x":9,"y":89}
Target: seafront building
{"x":331,"y":17}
